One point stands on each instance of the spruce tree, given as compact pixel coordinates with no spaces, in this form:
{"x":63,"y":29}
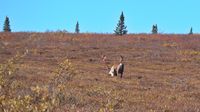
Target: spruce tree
{"x":77,"y":30}
{"x":154,"y":29}
{"x":191,"y":31}
{"x":6,"y":27}
{"x":121,"y":28}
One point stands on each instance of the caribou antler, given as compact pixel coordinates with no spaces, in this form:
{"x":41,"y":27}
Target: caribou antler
{"x":104,"y":59}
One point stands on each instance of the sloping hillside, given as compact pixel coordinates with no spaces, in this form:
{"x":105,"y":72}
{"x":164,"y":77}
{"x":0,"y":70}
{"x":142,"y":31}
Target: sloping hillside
{"x":161,"y":71}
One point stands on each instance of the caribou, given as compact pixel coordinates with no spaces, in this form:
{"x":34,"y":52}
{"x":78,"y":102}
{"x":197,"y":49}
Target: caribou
{"x":115,"y":69}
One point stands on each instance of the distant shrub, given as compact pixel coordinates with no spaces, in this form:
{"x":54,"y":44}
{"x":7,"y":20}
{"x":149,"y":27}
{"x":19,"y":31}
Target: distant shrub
{"x":170,"y":45}
{"x":189,"y":52}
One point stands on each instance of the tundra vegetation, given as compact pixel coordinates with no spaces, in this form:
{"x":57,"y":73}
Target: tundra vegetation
{"x":59,"y":72}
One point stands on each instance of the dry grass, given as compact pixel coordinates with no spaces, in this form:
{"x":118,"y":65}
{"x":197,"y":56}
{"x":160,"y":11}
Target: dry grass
{"x":161,"y":71}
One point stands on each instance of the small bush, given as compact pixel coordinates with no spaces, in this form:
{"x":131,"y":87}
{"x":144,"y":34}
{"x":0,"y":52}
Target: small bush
{"x":38,"y":98}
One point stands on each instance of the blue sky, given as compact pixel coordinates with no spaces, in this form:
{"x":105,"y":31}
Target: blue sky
{"x":101,"y":16}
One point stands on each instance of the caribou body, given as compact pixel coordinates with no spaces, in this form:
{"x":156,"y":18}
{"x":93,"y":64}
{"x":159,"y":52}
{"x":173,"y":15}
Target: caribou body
{"x":115,"y":70}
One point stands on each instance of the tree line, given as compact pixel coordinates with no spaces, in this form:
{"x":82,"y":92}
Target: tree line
{"x":121,"y":28}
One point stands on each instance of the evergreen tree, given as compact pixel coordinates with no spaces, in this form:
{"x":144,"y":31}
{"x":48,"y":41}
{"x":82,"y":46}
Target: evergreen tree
{"x":121,"y":28}
{"x":155,"y":29}
{"x":77,"y":30}
{"x":191,"y":31}
{"x":6,"y":27}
